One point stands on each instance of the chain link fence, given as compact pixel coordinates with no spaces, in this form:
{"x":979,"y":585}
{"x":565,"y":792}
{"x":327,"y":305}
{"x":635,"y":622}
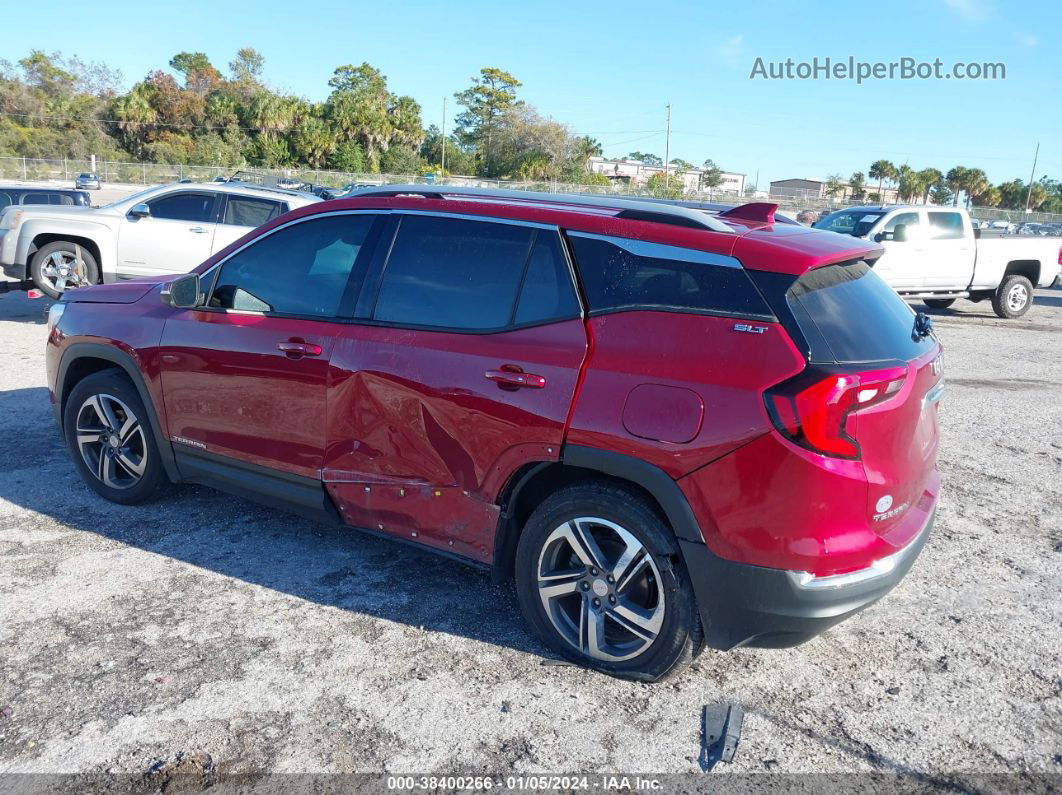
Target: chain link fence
{"x":65,"y":170}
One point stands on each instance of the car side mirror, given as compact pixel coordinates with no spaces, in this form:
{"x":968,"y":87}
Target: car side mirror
{"x":899,"y":233}
{"x":182,"y":293}
{"x":880,"y":236}
{"x":977,"y":233}
{"x":140,"y":211}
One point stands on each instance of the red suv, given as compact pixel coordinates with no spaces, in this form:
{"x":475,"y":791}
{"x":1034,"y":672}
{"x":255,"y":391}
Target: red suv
{"x":673,"y":428}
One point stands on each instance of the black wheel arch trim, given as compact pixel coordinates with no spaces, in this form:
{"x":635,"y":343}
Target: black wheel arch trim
{"x":126,"y":363}
{"x":658,"y":483}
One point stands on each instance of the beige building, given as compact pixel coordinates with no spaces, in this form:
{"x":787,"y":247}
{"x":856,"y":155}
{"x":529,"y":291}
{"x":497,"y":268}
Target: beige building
{"x":808,"y":188}
{"x":637,"y":173}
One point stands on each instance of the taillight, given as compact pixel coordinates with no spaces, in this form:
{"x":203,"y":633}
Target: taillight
{"x":812,"y":408}
{"x":1060,"y":255}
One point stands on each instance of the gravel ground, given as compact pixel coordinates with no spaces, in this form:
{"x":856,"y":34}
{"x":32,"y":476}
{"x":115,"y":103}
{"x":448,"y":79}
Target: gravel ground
{"x":206,"y":631}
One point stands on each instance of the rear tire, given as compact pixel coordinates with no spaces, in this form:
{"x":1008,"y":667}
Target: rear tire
{"x":111,"y":439}
{"x":56,"y":268}
{"x":1013,"y":297}
{"x":938,"y":303}
{"x":634,"y":618}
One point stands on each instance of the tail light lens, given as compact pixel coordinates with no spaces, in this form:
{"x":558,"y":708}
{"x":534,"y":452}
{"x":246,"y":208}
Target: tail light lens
{"x":812,"y":409}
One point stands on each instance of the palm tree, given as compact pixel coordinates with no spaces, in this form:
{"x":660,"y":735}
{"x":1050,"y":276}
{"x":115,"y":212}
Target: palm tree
{"x":975,"y":184}
{"x":956,"y":179}
{"x":882,"y":170}
{"x":585,"y":148}
{"x":928,"y":177}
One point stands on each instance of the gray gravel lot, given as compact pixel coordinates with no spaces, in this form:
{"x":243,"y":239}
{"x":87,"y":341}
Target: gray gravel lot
{"x":205,"y":625}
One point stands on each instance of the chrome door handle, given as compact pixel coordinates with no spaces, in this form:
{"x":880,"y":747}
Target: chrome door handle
{"x":198,"y":230}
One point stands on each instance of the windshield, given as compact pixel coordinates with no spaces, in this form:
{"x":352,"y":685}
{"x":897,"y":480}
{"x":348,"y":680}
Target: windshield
{"x":850,"y":222}
{"x":134,"y":198}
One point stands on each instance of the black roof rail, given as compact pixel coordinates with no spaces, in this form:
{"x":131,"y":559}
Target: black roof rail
{"x":633,"y":209}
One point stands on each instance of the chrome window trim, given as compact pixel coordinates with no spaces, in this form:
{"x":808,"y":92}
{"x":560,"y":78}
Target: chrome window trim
{"x":644,"y":248}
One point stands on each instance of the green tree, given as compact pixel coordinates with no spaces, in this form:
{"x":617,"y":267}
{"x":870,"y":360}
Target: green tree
{"x":712,"y":177}
{"x":647,"y":158}
{"x":927,"y":178}
{"x":882,"y":170}
{"x":672,"y":188}
{"x":834,"y":185}
{"x":941,"y":194}
{"x":491,"y":96}
{"x":858,"y":183}
{"x":586,"y":147}
{"x":956,"y":181}
{"x":975,"y":183}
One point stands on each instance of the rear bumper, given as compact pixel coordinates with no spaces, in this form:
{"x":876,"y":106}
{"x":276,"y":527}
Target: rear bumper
{"x":745,"y":605}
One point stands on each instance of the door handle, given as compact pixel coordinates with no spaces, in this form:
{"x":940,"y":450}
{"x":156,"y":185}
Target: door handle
{"x":296,"y":349}
{"x":197,"y":229}
{"x":514,"y":379}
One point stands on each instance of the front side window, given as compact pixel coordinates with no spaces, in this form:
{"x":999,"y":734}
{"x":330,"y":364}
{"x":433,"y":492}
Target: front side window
{"x":196,"y":207}
{"x":453,"y":273}
{"x":910,"y":220}
{"x":849,"y":222}
{"x":302,"y":269}
{"x":249,"y":211}
{"x":618,"y":273}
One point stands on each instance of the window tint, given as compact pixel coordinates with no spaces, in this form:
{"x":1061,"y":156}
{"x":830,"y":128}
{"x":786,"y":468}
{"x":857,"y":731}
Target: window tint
{"x":302,"y":269}
{"x":848,"y":314}
{"x":547,"y":293}
{"x":5,"y":199}
{"x":184,"y":207}
{"x":945,"y":226}
{"x":247,"y":211}
{"x":61,"y":198}
{"x":620,"y":273}
{"x":453,"y":273}
{"x":35,"y":198}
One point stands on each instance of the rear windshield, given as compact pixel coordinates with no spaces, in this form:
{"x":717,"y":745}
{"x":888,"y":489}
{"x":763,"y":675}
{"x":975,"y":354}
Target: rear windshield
{"x":848,"y":314}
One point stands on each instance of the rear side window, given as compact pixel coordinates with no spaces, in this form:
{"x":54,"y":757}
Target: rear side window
{"x":453,"y":273}
{"x":302,"y":269}
{"x":945,"y":226}
{"x":62,"y":198}
{"x":247,"y":211}
{"x":848,"y":314}
{"x":618,"y":273}
{"x":547,"y":292}
{"x":35,"y":198}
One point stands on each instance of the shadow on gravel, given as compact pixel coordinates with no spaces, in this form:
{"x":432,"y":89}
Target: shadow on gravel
{"x":18,"y":308}
{"x":333,"y":566}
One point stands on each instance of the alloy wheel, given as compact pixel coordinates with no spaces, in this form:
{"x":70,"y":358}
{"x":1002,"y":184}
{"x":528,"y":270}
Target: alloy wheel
{"x":600,"y":588}
{"x":63,"y":271}
{"x":111,"y":441}
{"x":1017,"y":297}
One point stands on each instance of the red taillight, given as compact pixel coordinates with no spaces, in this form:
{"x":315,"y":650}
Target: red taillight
{"x":1060,"y":255}
{"x":812,"y":409}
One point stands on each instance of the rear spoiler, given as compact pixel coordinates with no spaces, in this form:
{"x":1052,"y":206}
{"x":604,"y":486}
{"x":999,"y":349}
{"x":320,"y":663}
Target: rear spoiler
{"x":758,"y":212}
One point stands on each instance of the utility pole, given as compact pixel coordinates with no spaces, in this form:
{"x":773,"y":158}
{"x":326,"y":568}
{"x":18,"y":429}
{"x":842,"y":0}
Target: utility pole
{"x":667,"y":149}
{"x":444,"y":136}
{"x":1032,"y":176}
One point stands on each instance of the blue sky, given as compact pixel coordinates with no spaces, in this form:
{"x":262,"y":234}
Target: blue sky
{"x":609,"y":68}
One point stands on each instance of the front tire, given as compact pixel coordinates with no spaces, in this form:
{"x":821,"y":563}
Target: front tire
{"x":938,"y":303}
{"x":57,"y":267}
{"x":1013,"y":298}
{"x":600,"y":580}
{"x":111,"y":439}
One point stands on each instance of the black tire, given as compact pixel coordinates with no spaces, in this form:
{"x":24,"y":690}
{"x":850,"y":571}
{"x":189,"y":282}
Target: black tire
{"x":938,"y":303}
{"x":1007,"y":303}
{"x":679,"y":637}
{"x":122,"y":402}
{"x":86,"y":270}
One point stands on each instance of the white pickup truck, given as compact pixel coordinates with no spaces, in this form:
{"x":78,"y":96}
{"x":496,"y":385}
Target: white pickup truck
{"x":936,"y":254}
{"x":165,"y":229}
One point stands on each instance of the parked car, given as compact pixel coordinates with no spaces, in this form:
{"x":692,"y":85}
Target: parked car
{"x":87,"y":181}
{"x":674,"y":429}
{"x":22,"y":195}
{"x":167,"y":229}
{"x":934,"y":253}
